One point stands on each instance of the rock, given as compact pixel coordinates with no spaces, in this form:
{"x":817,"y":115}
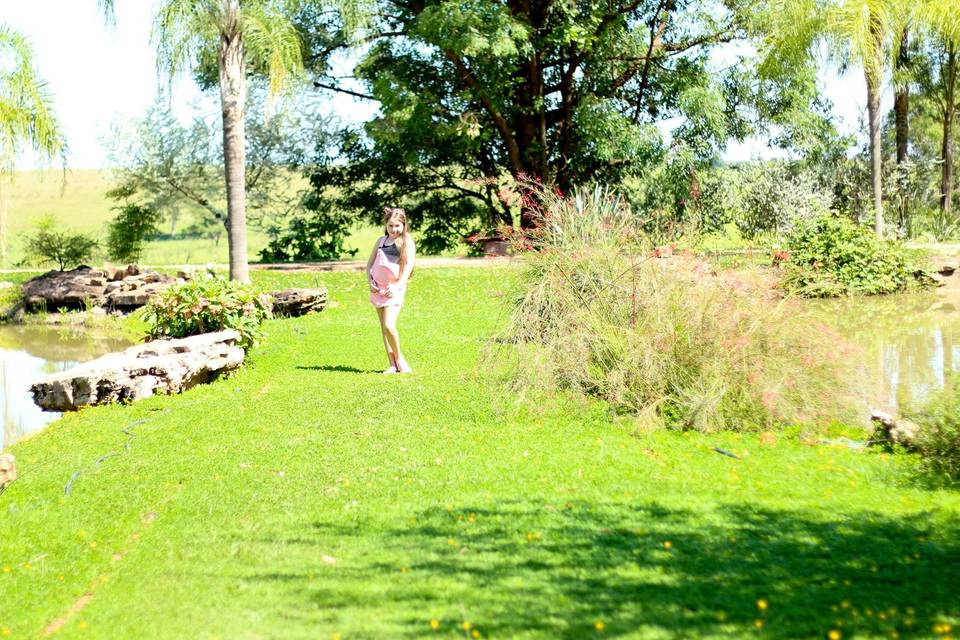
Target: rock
{"x":297,"y":302}
{"x":127,"y":299}
{"x":83,"y":287}
{"x":8,"y":469}
{"x":889,"y":430}
{"x":161,"y":366}
{"x":6,"y":284}
{"x":947,"y":268}
{"x":61,"y":289}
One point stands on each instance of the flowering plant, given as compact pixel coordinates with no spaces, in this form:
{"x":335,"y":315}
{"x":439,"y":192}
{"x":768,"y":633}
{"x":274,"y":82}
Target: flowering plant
{"x":209,"y":303}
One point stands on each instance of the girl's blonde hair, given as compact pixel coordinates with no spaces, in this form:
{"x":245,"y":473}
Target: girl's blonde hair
{"x":389,"y":214}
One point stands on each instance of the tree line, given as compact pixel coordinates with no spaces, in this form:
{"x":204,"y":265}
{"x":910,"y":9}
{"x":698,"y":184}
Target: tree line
{"x":474,"y":95}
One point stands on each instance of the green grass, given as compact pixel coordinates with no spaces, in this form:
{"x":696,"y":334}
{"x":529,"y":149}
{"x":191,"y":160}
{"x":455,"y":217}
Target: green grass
{"x":308,"y":496}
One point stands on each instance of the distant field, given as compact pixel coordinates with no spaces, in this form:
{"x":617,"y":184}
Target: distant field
{"x":77,"y":199}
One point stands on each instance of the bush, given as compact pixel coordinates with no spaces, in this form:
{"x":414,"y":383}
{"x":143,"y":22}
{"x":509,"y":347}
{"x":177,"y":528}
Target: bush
{"x":133,"y":225}
{"x":306,"y":238}
{"x":830,"y":255}
{"x":48,"y":244}
{"x":208,"y":304}
{"x":939,"y":441}
{"x":663,"y":339}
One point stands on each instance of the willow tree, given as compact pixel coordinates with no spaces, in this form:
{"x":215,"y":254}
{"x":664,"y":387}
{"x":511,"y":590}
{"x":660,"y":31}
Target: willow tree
{"x":242,"y":36}
{"x":857,"y":33}
{"x":27,"y":117}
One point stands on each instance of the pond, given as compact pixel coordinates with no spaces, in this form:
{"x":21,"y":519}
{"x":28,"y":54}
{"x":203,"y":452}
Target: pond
{"x":910,"y":343}
{"x":30,"y":352}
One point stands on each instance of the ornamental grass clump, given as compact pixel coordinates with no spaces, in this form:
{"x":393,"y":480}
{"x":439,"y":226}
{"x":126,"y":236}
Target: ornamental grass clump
{"x":597,"y":313}
{"x":206,"y":304}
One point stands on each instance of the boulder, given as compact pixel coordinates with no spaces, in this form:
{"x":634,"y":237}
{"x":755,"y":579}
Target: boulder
{"x":161,"y":366}
{"x":73,"y":289}
{"x":890,"y":430}
{"x":122,"y":289}
{"x":297,"y":302}
{"x":8,"y":469}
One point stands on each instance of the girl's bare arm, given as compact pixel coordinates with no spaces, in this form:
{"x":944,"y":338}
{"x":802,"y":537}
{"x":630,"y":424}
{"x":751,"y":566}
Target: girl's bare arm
{"x":408,"y":267}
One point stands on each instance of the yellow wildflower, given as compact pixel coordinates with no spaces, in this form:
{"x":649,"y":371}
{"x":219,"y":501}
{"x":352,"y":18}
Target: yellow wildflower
{"x":833,"y":634}
{"x":434,"y":624}
{"x":762,"y":604}
{"x":599,"y":625}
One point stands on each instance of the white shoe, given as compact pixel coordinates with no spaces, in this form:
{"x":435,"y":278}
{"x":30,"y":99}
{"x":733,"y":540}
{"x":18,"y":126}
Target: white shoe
{"x":390,"y":370}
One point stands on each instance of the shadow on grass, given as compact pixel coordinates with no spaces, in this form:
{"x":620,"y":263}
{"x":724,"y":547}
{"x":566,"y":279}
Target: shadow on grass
{"x":556,"y":570}
{"x":338,"y":368}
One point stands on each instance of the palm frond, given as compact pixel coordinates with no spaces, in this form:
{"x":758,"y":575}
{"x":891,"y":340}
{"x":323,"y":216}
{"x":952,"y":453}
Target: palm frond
{"x":271,"y":42}
{"x":27,"y":115}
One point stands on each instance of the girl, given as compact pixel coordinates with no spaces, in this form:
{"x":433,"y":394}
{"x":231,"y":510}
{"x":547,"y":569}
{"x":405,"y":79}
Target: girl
{"x":388,"y":269}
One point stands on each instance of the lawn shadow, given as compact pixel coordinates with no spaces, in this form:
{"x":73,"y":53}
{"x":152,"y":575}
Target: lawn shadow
{"x":341,"y":368}
{"x":561,"y":570}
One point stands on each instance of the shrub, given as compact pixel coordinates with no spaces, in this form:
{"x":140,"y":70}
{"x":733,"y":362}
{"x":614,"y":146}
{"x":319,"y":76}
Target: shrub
{"x":207,"y":304}
{"x":663,"y":339}
{"x":66,"y":248}
{"x":133,"y":225}
{"x":832,"y":256}
{"x":939,"y":440}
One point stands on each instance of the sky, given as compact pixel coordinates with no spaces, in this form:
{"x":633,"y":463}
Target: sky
{"x":99,"y":75}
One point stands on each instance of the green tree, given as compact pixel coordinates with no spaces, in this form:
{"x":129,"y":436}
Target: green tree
{"x":49,"y":242}
{"x":166,"y":167}
{"x":27,"y":117}
{"x":243,"y":36}
{"x":943,"y":21}
{"x":561,"y":92}
{"x":862,"y":33}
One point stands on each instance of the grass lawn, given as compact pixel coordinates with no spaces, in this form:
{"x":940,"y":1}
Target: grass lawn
{"x":308,"y":496}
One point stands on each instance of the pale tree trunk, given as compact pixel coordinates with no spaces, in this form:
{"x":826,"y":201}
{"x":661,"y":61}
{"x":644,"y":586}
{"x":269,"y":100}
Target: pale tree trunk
{"x":233,"y":96}
{"x":873,"y":113}
{"x":949,"y":79}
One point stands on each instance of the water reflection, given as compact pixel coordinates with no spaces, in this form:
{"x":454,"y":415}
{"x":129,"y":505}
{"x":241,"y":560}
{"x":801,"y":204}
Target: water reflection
{"x":28,"y":353}
{"x":912,"y":342}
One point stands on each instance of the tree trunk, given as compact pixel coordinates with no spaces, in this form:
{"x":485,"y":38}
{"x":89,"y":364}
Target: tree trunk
{"x":901,"y":101}
{"x":233,"y":95}
{"x":901,"y":109}
{"x":949,"y":79}
{"x":873,"y":112}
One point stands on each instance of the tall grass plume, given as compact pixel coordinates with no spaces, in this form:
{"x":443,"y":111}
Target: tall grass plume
{"x":602,"y":312}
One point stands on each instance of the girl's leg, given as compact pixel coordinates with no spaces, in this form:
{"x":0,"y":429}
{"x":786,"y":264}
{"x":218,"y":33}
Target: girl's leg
{"x":393,"y":338}
{"x":391,"y":360}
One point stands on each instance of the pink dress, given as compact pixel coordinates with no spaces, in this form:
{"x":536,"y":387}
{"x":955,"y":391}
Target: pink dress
{"x":384,"y":272}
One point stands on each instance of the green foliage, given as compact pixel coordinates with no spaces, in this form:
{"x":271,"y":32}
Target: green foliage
{"x":207,"y":304}
{"x":129,"y":229}
{"x":829,"y":255}
{"x":48,"y":242}
{"x":939,"y":439}
{"x":171,"y":167}
{"x":306,"y":238}
{"x":665,"y":340}
{"x":469,"y":91}
{"x":27,"y":116}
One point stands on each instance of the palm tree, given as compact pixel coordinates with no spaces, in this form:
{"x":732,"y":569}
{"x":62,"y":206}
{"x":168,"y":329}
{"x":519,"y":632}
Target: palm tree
{"x":943,"y":21}
{"x":241,"y":34}
{"x":861,"y":33}
{"x":26,"y":116}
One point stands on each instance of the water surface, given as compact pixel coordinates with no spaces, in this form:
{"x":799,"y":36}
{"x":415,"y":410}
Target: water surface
{"x":910,"y":342}
{"x":28,"y":353}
